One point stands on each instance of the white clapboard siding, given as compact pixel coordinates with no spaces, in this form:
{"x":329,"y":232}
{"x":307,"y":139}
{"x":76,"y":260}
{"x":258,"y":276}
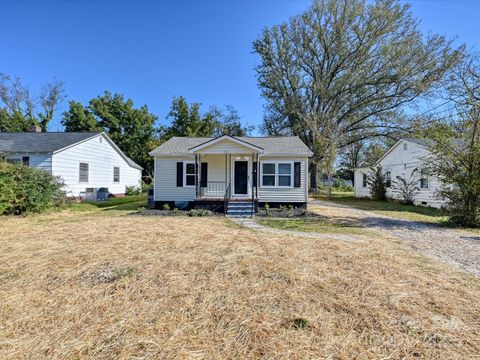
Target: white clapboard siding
{"x":285,"y":194}
{"x":102,"y":158}
{"x":41,"y":161}
{"x":402,"y":161}
{"x":359,"y":189}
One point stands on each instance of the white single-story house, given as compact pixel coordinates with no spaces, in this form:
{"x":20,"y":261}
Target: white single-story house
{"x":231,"y":174}
{"x":400,"y":160}
{"x":85,"y":161}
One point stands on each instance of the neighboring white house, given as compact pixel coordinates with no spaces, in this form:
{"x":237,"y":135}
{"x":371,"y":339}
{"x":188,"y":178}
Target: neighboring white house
{"x":231,"y":172}
{"x":400,"y":160}
{"x":85,"y":161}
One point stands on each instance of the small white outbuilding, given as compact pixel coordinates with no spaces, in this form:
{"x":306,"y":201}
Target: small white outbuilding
{"x":401,"y":160}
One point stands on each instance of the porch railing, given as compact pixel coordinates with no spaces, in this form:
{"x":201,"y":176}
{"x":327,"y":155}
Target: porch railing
{"x":214,"y":189}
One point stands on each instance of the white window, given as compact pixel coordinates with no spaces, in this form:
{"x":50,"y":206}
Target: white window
{"x":277,"y":174}
{"x":388,"y":179}
{"x":189,"y":173}
{"x":284,"y":175}
{"x":268,"y":174}
{"x":405,"y":146}
{"x":364,"y":180}
{"x":83,"y":173}
{"x":116,"y":174}
{"x":423,"y":179}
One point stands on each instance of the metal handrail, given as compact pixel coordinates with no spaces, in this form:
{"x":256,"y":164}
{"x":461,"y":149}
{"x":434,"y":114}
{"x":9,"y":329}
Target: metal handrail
{"x":226,"y":198}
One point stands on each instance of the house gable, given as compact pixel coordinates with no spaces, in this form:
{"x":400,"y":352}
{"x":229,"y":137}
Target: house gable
{"x":226,"y":144}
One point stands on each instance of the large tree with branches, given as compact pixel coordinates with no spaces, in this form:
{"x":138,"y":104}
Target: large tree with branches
{"x":455,"y":145}
{"x":343,"y":71}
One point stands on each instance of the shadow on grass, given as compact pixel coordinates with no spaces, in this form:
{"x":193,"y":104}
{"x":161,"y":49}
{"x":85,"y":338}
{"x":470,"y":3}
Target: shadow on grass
{"x":127,"y":203}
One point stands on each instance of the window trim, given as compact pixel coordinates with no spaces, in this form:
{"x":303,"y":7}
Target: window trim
{"x":117,"y":181}
{"x":423,"y":177}
{"x":364,"y":180}
{"x":88,"y":172}
{"x":185,"y":173}
{"x":277,"y":174}
{"x":388,"y":179}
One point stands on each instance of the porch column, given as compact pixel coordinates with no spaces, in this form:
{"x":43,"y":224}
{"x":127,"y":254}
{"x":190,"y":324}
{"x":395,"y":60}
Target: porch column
{"x":226,"y":185}
{"x":196,"y":176}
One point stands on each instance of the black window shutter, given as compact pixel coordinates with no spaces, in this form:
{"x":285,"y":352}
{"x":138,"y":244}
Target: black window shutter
{"x":296,"y":174}
{"x":204,"y":174}
{"x":255,"y":173}
{"x":180,"y":174}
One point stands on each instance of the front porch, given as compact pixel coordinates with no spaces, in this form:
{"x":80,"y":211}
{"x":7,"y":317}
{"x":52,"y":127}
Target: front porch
{"x":225,"y":173}
{"x":228,"y":181}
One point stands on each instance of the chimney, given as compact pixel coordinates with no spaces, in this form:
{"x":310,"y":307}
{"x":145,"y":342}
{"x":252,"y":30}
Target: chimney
{"x":35,"y":128}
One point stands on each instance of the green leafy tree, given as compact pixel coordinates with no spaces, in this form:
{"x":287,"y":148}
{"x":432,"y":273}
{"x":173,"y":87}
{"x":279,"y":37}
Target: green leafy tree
{"x":79,"y":119}
{"x":186,"y":120}
{"x":228,"y":122}
{"x":19,"y":110}
{"x":132,"y":129}
{"x":455,"y":147}
{"x":407,"y":188}
{"x":344,"y":71}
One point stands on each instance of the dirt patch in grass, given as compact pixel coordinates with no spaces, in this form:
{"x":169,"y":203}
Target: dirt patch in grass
{"x":316,"y":224}
{"x":183,"y":287}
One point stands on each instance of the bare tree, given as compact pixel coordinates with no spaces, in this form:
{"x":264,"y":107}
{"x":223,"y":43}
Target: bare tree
{"x":19,"y":109}
{"x":343,"y":71}
{"x":455,"y":147}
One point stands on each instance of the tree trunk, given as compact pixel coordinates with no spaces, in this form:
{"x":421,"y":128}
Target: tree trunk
{"x":313,"y":176}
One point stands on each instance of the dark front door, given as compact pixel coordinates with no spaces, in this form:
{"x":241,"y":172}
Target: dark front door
{"x":241,"y":178}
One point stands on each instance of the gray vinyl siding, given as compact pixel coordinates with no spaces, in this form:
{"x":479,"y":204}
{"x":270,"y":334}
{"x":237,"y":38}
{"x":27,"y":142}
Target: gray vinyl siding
{"x":165,"y":183}
{"x":226,"y":146}
{"x":283,"y":194}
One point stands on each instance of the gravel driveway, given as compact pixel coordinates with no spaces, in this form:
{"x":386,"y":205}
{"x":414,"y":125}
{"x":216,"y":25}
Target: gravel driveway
{"x":456,"y":247}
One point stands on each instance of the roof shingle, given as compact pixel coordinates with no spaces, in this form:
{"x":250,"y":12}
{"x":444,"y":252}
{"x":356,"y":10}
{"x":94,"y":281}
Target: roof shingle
{"x":44,"y":142}
{"x":291,"y":145}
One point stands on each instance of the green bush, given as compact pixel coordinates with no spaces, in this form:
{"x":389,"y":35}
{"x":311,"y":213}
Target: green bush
{"x":378,"y":184}
{"x":133,"y":190}
{"x":26,"y":189}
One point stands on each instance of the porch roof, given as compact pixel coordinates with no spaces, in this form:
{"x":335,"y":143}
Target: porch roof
{"x":290,"y":145}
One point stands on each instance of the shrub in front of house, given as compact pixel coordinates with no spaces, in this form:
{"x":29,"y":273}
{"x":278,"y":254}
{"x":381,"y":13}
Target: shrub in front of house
{"x":25,"y":189}
{"x":378,"y":184}
{"x":133,"y":190}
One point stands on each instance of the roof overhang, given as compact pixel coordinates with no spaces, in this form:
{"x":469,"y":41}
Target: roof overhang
{"x":226,"y":137}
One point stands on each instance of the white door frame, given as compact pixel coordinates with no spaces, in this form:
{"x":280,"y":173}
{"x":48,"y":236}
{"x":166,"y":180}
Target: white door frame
{"x":248,"y":159}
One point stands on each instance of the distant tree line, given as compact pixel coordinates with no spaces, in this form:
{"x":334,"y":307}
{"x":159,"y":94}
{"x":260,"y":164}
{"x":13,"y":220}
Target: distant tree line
{"x":134,"y":130}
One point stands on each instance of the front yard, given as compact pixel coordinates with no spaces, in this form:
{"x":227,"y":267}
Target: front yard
{"x":110,"y":284}
{"x":389,"y":208}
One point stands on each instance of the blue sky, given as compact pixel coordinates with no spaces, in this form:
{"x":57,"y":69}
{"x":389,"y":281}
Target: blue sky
{"x":153,"y":50}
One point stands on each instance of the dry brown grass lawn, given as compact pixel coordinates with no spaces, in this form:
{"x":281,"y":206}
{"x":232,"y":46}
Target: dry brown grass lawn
{"x":111,"y":285}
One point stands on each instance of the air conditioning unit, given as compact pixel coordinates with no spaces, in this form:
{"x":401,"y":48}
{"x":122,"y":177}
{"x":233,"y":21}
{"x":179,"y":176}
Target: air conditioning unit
{"x":94,"y":194}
